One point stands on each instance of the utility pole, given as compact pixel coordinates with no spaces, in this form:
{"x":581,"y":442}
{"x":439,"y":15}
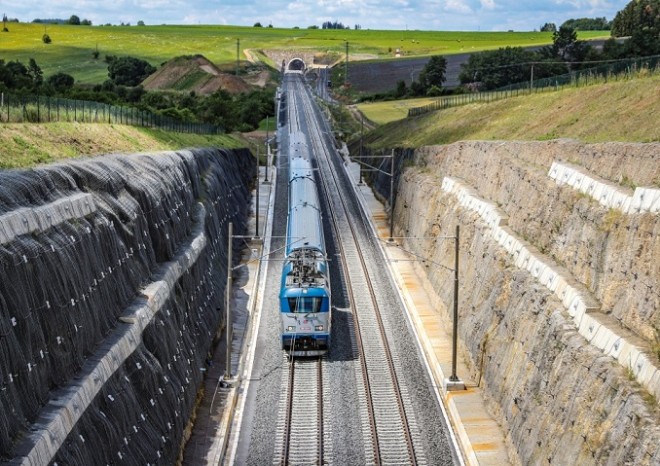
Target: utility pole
{"x":360,"y":183}
{"x":346,"y":66}
{"x":454,"y":383}
{"x":228,"y":294}
{"x":267,"y":152}
{"x":256,"y":213}
{"x":531,"y":79}
{"x":453,"y":377}
{"x":238,"y":46}
{"x":391,"y":197}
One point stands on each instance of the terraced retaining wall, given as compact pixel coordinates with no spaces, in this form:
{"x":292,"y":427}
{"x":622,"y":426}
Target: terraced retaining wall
{"x":572,"y":379}
{"x":112,"y":276}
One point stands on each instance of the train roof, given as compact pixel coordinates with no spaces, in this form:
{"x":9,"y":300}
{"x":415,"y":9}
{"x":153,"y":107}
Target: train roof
{"x":312,"y":292}
{"x":298,"y":145}
{"x":300,"y":167}
{"x":305,"y":230}
{"x":297,"y":137}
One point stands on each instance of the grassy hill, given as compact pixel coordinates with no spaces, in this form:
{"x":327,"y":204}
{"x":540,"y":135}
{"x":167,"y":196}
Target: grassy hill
{"x":26,"y":145}
{"x":72,"y":46}
{"x":616,"y":111}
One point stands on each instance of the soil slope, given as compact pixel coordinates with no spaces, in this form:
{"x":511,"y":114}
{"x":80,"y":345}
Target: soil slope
{"x":194,"y":73}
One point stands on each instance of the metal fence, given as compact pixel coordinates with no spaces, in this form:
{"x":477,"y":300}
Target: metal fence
{"x":612,"y":71}
{"x":43,"y":109}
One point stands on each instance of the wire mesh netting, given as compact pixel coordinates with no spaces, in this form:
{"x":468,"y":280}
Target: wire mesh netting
{"x":80,"y":242}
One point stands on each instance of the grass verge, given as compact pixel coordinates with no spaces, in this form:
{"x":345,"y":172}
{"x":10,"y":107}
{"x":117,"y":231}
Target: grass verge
{"x":26,"y":145}
{"x":626,"y":111}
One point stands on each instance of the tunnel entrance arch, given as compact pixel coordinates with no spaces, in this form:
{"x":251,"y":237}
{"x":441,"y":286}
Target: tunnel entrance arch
{"x":296,"y":64}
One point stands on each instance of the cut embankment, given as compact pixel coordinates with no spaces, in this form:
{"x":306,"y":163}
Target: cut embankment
{"x":111,"y":295}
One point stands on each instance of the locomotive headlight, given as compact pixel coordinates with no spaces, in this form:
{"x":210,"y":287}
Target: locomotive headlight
{"x":291,"y":328}
{"x":318,"y":328}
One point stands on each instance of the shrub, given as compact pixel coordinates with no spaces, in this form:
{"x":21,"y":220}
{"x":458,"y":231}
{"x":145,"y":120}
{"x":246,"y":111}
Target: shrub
{"x":46,"y":39}
{"x":61,"y":81}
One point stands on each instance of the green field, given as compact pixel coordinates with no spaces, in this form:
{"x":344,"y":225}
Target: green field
{"x":617,"y":110}
{"x":72,"y":46}
{"x":392,"y":110}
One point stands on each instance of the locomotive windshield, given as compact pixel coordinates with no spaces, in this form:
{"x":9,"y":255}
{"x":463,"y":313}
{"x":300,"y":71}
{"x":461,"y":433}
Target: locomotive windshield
{"x":305,"y":305}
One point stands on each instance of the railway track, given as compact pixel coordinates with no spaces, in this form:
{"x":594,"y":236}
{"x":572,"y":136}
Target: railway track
{"x":391,"y":430}
{"x":300,"y":431}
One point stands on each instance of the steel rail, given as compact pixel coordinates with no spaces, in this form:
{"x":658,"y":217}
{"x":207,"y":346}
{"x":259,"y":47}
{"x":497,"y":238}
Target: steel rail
{"x":386,"y":347}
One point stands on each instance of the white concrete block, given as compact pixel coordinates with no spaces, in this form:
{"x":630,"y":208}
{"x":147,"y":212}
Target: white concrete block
{"x":615,"y":349}
{"x":597,"y":192}
{"x":608,"y":339}
{"x":638,"y":361}
{"x":626,"y":355}
{"x":547,"y":276}
{"x":606,"y":196}
{"x":645,"y":369}
{"x":619,"y":200}
{"x":572,"y":301}
{"x":589,"y":327}
{"x":560,"y":289}
{"x":637,"y":199}
{"x":580,"y":309}
{"x":654,"y":384}
{"x":650,"y":197}
{"x":522,"y":258}
{"x":655,"y":208}
{"x":553,"y":280}
{"x":539,"y":267}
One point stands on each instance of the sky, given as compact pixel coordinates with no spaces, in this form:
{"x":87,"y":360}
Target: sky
{"x":437,"y":15}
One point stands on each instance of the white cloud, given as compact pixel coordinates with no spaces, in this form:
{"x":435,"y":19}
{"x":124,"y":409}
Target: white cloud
{"x":488,"y":4}
{"x":458,"y":6}
{"x":370,"y":14}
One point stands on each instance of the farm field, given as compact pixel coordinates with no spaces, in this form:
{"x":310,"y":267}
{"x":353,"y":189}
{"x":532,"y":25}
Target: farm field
{"x":72,"y":46}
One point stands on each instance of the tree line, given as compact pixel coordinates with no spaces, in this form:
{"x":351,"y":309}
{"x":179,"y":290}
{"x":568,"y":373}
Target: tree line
{"x":639,"y":22}
{"x":73,"y":20}
{"x":233,"y":112}
{"x":580,"y":24}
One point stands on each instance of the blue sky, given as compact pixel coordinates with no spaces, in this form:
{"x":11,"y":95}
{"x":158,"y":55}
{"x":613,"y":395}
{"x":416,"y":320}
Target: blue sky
{"x":446,"y":15}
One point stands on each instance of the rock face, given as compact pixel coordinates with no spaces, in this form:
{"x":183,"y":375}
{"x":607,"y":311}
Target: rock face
{"x":112,"y":275}
{"x":562,"y":396}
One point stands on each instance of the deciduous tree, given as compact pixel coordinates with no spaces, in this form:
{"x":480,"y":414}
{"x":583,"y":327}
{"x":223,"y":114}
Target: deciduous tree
{"x":129,"y":71}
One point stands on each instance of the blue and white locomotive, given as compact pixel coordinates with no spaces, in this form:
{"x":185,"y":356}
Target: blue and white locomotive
{"x":305,"y":292}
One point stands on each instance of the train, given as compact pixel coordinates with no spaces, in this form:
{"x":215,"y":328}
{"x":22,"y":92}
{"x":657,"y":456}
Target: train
{"x":305,"y":304}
